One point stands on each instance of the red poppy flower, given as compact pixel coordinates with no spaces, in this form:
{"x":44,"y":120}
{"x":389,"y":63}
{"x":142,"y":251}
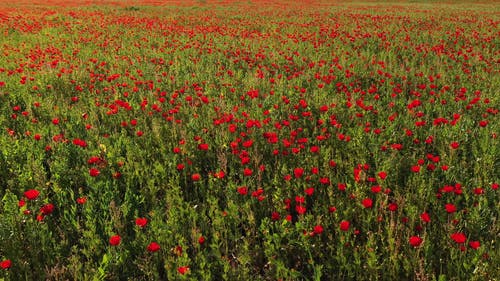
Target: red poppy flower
{"x":300,"y":209}
{"x":183,"y":269}
{"x":115,"y":240}
{"x":275,"y":216}
{"x":475,"y":244}
{"x":415,"y":169}
{"x":195,"y":177}
{"x":324,"y":181}
{"x":344,"y":225}
{"x":376,"y":189}
{"x":153,"y":247}
{"x":415,"y":241}
{"x":450,"y":208}
{"x":47,"y":209}
{"x":309,"y":191}
{"x":220,"y":174}
{"x":141,"y":222}
{"x":248,"y":143}
{"x":5,"y":264}
{"x":367,"y":203}
{"x":393,"y":207}
{"x":201,"y":240}
{"x":318,"y":229}
{"x":458,"y":237}
{"x":203,"y":146}
{"x":80,"y":142}
{"x":243,"y":190}
{"x":94,"y":160}
{"x":298,"y":172}
{"x":247,"y":172}
{"x":93,"y":172}
{"x":425,"y":217}
{"x":31,"y":194}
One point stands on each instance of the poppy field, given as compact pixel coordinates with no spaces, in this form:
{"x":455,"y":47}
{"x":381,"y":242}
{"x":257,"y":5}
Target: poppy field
{"x":254,"y":140}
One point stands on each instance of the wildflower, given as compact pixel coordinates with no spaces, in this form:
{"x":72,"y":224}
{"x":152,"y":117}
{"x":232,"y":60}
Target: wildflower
{"x":367,"y":203}
{"x":318,"y":229}
{"x":201,"y":240}
{"x":47,"y":209}
{"x":195,"y":177}
{"x":376,"y":189}
{"x":415,"y":169}
{"x":180,"y":167}
{"x":298,"y":172}
{"x":93,"y":172}
{"x":425,"y":217}
{"x":183,"y":269}
{"x":247,"y":172}
{"x":275,"y":216}
{"x":31,"y":194}
{"x":415,"y":241}
{"x":450,"y":208}
{"x":243,"y":190}
{"x":344,"y":225}
{"x":300,"y":209}
{"x":393,"y":207}
{"x":153,"y":247}
{"x":458,"y":237}
{"x":5,"y":264}
{"x":474,"y":244}
{"x":141,"y":222}
{"x":115,"y":240}
{"x":309,"y":191}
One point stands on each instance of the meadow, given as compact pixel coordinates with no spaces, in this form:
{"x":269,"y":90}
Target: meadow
{"x":255,"y":140}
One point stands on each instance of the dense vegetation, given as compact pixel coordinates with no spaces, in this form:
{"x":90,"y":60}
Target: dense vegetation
{"x":254,"y":140}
